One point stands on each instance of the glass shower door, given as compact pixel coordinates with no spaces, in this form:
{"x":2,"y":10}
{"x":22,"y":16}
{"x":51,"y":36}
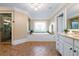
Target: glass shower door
{"x":5,"y":27}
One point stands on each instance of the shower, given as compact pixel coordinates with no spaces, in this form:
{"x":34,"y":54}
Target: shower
{"x":5,"y":27}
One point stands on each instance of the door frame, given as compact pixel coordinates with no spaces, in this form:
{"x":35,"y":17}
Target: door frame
{"x":12,"y":22}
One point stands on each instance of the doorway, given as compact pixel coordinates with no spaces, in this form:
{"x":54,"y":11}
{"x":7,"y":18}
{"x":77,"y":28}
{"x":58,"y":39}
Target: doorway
{"x":60,"y":23}
{"x":5,"y":27}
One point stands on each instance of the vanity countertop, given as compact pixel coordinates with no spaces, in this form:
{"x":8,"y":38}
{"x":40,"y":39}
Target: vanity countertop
{"x":73,"y":36}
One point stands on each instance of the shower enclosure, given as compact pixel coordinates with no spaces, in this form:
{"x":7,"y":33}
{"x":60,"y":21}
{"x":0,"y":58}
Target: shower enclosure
{"x":5,"y":27}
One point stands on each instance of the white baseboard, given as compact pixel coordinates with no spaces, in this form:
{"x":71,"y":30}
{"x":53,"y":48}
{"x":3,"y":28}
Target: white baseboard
{"x":19,"y":41}
{"x":27,"y":39}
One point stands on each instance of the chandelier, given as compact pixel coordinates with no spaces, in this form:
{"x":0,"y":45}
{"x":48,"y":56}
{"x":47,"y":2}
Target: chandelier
{"x":36,"y":6}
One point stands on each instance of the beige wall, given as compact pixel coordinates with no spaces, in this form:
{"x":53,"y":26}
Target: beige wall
{"x":20,"y":25}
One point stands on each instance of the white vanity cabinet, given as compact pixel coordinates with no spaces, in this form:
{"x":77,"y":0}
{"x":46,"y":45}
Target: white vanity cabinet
{"x":67,"y":46}
{"x":64,"y":45}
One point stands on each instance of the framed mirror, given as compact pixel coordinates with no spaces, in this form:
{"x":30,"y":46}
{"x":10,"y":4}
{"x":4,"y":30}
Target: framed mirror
{"x":73,"y":23}
{"x":73,"y":17}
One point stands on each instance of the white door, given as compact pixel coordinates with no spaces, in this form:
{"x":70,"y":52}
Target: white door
{"x":60,"y":24}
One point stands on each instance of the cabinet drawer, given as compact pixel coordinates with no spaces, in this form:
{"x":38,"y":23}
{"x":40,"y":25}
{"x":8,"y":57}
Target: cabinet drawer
{"x":59,"y":47}
{"x":76,"y":43}
{"x":68,"y":40}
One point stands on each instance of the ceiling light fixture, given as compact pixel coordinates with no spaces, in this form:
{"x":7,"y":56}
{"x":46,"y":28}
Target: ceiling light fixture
{"x":36,"y":6}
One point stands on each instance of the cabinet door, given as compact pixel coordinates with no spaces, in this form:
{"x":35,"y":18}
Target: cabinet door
{"x":59,"y":47}
{"x":76,"y":48}
{"x":57,"y":42}
{"x":76,"y":51}
{"x":68,"y":50}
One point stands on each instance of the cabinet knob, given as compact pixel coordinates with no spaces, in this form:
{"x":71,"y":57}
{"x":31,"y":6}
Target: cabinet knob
{"x":74,"y":50}
{"x":70,"y":48}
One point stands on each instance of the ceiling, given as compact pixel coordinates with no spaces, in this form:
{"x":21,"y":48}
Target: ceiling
{"x":44,"y":12}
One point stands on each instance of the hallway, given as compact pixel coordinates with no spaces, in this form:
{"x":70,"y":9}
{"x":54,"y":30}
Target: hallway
{"x":29,"y":49}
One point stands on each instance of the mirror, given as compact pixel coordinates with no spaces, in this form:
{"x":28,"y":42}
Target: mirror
{"x":73,"y":16}
{"x":73,"y":23}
